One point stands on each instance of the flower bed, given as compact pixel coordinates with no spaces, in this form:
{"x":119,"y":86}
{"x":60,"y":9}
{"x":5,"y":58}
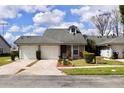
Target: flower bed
{"x":62,"y":65}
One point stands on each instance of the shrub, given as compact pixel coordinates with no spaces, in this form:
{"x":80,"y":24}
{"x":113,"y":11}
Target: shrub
{"x":81,"y":54}
{"x":17,"y":53}
{"x":38,"y":55}
{"x":88,"y":57}
{"x":115,"y":55}
{"x":5,"y":55}
{"x":91,"y":46}
{"x":60,"y":60}
{"x":66,"y":62}
{"x":13,"y":55}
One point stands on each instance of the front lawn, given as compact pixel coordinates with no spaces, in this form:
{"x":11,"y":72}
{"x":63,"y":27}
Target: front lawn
{"x":5,"y":60}
{"x":95,"y":71}
{"x":100,"y":61}
{"x":81,"y":62}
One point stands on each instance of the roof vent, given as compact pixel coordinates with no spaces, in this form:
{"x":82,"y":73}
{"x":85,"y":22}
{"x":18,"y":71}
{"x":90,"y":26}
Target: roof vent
{"x":21,"y":37}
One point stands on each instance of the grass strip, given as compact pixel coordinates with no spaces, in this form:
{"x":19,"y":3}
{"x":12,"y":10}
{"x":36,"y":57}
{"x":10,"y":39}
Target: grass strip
{"x":95,"y":71}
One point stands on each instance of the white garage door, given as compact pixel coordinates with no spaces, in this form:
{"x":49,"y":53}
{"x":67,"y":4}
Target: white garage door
{"x":50,"y":52}
{"x":28,"y":52}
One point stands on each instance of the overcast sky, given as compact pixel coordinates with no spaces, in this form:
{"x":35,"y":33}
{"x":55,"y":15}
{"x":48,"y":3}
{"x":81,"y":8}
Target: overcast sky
{"x":33,"y":20}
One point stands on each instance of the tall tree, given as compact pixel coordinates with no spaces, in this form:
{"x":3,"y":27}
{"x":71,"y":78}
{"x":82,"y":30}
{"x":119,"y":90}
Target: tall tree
{"x":101,"y":22}
{"x":115,"y":18}
{"x":121,"y":7}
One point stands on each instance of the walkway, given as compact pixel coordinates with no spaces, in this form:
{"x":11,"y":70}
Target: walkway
{"x":43,"y":67}
{"x":12,"y":68}
{"x":91,"y":66}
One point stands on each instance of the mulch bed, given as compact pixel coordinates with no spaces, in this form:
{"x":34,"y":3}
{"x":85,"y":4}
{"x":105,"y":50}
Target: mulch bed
{"x":62,"y":65}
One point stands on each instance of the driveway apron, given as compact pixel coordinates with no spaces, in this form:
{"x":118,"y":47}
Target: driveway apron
{"x":43,"y":67}
{"x":12,"y":68}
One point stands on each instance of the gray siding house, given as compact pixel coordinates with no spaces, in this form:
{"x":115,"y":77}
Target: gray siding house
{"x":67,"y":43}
{"x":4,"y":46}
{"x":53,"y":44}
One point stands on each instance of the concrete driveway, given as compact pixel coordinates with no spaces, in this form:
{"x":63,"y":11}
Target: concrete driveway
{"x":12,"y":68}
{"x":43,"y":67}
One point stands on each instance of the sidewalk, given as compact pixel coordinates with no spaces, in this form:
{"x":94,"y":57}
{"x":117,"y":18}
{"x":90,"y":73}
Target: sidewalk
{"x":12,"y":68}
{"x":91,"y":66}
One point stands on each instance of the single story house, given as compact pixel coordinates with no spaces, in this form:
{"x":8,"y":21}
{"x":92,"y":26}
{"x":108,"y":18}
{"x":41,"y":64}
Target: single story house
{"x":115,"y":44}
{"x":69,"y":43}
{"x":53,"y":44}
{"x":4,"y":46}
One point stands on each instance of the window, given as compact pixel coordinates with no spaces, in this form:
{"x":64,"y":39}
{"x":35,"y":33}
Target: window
{"x":1,"y":50}
{"x":75,"y":50}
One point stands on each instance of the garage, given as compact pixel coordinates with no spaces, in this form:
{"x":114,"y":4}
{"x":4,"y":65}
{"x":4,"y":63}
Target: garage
{"x":28,"y":52}
{"x":50,"y":52}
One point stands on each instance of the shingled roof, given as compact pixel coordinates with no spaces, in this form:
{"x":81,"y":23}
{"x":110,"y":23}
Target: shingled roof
{"x":116,"y":40}
{"x":5,"y":41}
{"x":99,"y":39}
{"x":53,"y":36}
{"x":64,"y":36}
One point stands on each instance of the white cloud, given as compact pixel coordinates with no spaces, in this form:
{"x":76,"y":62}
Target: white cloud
{"x":13,"y":11}
{"x":39,"y":29}
{"x":67,"y":24}
{"x":81,"y":10}
{"x":14,"y":28}
{"x":92,"y":32}
{"x":10,"y":37}
{"x":34,"y":8}
{"x":86,"y":12}
{"x":8,"y":12}
{"x":51,"y":17}
{"x":27,"y":28}
{"x":30,"y":34}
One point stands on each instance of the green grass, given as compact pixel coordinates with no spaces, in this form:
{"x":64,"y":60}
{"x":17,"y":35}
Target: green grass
{"x":81,"y":62}
{"x":100,"y":61}
{"x":112,"y":62}
{"x":5,"y":60}
{"x":95,"y":71}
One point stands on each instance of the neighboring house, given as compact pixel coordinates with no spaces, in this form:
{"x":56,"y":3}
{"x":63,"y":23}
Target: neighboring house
{"x":115,"y":44}
{"x":107,"y":45}
{"x":101,"y":48}
{"x":4,"y":46}
{"x":53,"y":44}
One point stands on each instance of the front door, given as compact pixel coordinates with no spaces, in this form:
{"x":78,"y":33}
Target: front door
{"x":75,"y":51}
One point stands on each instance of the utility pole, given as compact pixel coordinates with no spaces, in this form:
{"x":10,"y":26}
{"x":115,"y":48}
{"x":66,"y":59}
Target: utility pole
{"x":3,"y":27}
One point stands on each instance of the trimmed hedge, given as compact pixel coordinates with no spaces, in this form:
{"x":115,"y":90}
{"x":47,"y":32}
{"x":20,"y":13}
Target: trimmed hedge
{"x":13,"y":55}
{"x":115,"y":55}
{"x":89,"y":57}
{"x":38,"y":55}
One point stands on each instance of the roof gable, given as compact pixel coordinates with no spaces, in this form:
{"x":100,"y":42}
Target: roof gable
{"x":5,"y":41}
{"x":63,"y":35}
{"x":53,"y":36}
{"x":115,"y":40}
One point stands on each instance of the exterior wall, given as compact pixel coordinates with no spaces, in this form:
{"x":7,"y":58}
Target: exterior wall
{"x":4,"y":46}
{"x":50,"y":52}
{"x":81,"y":48}
{"x":119,"y":49}
{"x":47,"y":51}
{"x":28,"y":52}
{"x":106,"y":52}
